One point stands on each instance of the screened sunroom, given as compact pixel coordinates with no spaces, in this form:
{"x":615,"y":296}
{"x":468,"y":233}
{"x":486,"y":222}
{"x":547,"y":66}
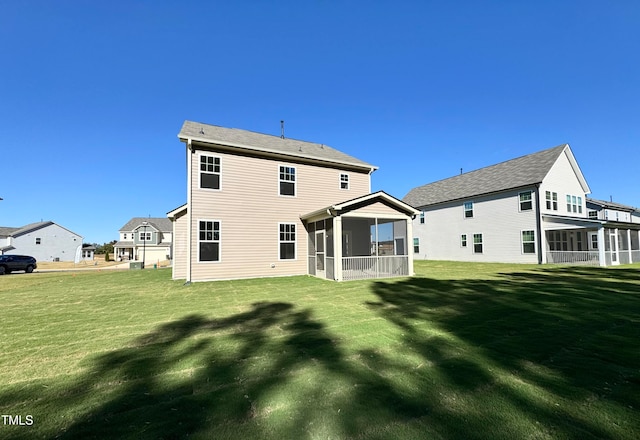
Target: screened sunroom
{"x":367,"y":237}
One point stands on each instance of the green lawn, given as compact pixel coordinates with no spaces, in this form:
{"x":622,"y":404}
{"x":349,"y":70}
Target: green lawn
{"x":462,"y":351}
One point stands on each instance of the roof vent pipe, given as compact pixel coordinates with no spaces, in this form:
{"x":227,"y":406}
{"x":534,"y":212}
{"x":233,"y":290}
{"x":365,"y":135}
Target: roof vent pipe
{"x":282,"y":129}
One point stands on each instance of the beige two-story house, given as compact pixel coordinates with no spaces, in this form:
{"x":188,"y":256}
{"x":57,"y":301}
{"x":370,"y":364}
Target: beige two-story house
{"x":260,"y":205}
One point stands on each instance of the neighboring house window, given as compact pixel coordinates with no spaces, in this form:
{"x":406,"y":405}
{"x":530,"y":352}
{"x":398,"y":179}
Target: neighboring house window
{"x":145,"y":236}
{"x":579,"y":240}
{"x":558,"y":241}
{"x":287,"y":181}
{"x":593,"y":214}
{"x":422,"y":218}
{"x":209,"y":172}
{"x":477,"y":243}
{"x":124,"y":236}
{"x":463,"y":240}
{"x":528,"y":242}
{"x":526,"y":203}
{"x":209,"y":240}
{"x":287,"y":241}
{"x":344,"y":181}
{"x":38,"y":240}
{"x":574,"y":204}
{"x":416,"y":245}
{"x":552,"y":200}
{"x":468,"y":209}
{"x":594,"y":241}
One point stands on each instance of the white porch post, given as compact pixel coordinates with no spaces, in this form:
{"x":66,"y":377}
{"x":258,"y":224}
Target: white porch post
{"x":543,"y":246}
{"x":601,"y":255}
{"x":629,"y":246}
{"x":337,"y":248}
{"x":410,"y":245}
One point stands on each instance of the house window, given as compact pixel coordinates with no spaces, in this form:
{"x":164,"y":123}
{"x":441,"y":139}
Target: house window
{"x":209,"y":172}
{"x":552,"y":200}
{"x":416,"y":245}
{"x":574,"y":204}
{"x":38,"y":240}
{"x":528,"y":242}
{"x":594,"y":241}
{"x":526,"y":203}
{"x":558,"y":241}
{"x":477,"y":243}
{"x":287,"y":181}
{"x":287,"y":241}
{"x":463,"y":240}
{"x":579,"y":205}
{"x":145,"y":236}
{"x":344,"y":181}
{"x":468,"y":209}
{"x":422,"y":218}
{"x":593,"y":214}
{"x":208,"y":240}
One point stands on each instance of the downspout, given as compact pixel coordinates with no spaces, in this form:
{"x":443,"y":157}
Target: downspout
{"x":189,"y":210}
{"x":539,"y":224}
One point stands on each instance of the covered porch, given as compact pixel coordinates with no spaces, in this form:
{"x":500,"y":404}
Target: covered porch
{"x":363,"y":238}
{"x":591,"y":242}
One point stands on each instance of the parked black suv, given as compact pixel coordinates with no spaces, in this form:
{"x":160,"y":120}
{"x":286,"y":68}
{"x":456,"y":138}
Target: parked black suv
{"x":10,"y":263}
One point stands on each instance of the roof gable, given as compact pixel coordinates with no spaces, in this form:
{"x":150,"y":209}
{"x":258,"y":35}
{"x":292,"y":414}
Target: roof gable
{"x":263,"y":144}
{"x":515,"y":173}
{"x":382,"y":196}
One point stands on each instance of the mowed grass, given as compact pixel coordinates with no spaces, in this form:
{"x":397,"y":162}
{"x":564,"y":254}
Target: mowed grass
{"x":461,"y":351}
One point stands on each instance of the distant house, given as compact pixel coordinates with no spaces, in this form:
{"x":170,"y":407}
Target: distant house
{"x":261,"y":205}
{"x":45,"y":241}
{"x":142,"y":238}
{"x":88,"y":252}
{"x":532,"y":209}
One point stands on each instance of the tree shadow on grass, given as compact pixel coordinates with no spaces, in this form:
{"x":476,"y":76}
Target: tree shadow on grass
{"x":535,"y":339}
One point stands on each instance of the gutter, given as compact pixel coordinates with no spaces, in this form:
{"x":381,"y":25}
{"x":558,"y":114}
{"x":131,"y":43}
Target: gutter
{"x":538,"y":223}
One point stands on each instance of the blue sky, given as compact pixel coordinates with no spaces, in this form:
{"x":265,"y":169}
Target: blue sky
{"x":93,"y":94}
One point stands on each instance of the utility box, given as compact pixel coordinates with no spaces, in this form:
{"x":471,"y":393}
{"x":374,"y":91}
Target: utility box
{"x":135,"y":265}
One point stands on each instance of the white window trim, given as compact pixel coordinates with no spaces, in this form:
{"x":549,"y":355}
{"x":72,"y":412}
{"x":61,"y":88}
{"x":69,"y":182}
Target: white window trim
{"x":474,"y":242}
{"x":198,"y":261}
{"x":520,"y":201}
{"x":550,"y":201}
{"x":295,"y":182}
{"x":414,"y":245}
{"x":422,"y":218}
{"x":348,"y":182}
{"x":207,"y":172}
{"x":464,"y":209}
{"x":522,"y":242}
{"x":295,"y":242}
{"x":466,"y":241}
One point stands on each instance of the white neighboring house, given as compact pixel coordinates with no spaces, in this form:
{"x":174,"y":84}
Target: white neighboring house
{"x":145,"y":239}
{"x":45,"y":241}
{"x":532,"y":209}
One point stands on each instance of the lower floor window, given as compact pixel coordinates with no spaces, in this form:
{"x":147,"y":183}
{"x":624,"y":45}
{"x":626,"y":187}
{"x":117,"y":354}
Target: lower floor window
{"x":558,"y":241}
{"x":209,"y":240}
{"x":528,"y":242}
{"x":477,"y":243}
{"x":416,"y":245}
{"x":463,"y":240}
{"x":287,"y":241}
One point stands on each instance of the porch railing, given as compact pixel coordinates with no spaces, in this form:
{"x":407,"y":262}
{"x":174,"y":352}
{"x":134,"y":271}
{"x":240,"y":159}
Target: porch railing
{"x":360,"y":268}
{"x":587,"y":258}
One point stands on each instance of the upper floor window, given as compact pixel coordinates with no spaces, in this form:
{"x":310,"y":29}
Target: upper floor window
{"x":344,"y":181}
{"x":287,"y":181}
{"x":526,"y":203}
{"x":287,"y":241}
{"x":468,"y":209}
{"x":528,"y":242}
{"x":145,"y":236}
{"x":477,"y":243}
{"x":38,"y":240}
{"x":208,"y":240}
{"x":552,"y":200}
{"x":574,"y":204}
{"x":593,"y":214}
{"x":422,"y":217}
{"x":209,"y":172}
{"x":416,"y":245}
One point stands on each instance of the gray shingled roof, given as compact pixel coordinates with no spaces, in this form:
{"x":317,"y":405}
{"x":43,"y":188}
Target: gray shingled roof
{"x":16,"y":232}
{"x":514,"y":173}
{"x":160,"y":223}
{"x":614,"y":205}
{"x":250,"y":140}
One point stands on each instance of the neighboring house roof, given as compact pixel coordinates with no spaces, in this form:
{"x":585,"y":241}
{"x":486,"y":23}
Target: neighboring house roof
{"x":613,"y":205}
{"x":515,"y":173}
{"x":159,"y":223}
{"x":16,"y":232}
{"x":267,"y":144}
{"x":123,"y":244}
